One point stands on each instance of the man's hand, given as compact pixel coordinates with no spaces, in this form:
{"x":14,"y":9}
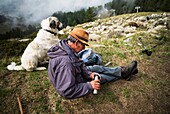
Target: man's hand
{"x":95,"y":84}
{"x":92,"y":75}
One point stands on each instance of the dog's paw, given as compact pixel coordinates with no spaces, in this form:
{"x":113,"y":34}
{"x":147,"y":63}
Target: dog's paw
{"x":19,"y":67}
{"x":11,"y":66}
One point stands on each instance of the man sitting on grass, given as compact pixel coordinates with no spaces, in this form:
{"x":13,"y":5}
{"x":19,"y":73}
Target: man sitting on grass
{"x":70,"y":76}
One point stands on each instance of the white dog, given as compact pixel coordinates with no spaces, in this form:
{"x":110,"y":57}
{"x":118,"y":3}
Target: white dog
{"x":36,"y":51}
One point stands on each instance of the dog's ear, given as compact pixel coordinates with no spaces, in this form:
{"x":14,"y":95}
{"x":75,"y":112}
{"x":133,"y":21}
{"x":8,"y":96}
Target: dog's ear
{"x":50,"y":19}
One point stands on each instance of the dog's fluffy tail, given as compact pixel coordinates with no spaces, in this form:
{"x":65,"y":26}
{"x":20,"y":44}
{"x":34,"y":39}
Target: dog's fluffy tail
{"x":13,"y":66}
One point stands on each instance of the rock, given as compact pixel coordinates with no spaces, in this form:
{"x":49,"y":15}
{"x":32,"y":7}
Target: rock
{"x":127,"y":40}
{"x":142,"y":18}
{"x":133,"y":24}
{"x":129,"y":35}
{"x":61,"y":32}
{"x":160,"y":27}
{"x":159,"y":22}
{"x":129,"y":29}
{"x":94,"y":37}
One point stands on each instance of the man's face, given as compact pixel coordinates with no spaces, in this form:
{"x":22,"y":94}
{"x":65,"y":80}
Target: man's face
{"x":79,"y":46}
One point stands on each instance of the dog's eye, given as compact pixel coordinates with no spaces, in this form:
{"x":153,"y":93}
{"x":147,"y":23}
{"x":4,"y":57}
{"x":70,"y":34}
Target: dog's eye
{"x":53,"y":24}
{"x":58,"y":23}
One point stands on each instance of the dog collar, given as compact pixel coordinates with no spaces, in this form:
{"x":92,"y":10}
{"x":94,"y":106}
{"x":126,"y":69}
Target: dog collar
{"x":51,"y":32}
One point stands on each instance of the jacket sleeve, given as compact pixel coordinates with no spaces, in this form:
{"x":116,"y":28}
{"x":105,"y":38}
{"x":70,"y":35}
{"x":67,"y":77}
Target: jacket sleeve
{"x":86,"y":73}
{"x":65,"y":83}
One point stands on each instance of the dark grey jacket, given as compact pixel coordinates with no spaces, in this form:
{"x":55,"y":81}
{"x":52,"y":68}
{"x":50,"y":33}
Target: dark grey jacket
{"x":67,"y":73}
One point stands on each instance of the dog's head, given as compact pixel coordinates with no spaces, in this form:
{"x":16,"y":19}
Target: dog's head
{"x":51,"y":24}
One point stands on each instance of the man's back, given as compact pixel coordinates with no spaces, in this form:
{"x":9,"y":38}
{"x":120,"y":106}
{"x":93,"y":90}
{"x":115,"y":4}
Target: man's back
{"x":66,"y":72}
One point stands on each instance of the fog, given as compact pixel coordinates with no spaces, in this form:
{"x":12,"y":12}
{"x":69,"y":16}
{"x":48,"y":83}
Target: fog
{"x":36,"y":10}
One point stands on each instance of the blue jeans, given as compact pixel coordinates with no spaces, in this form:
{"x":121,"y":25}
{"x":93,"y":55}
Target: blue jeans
{"x":107,"y":73}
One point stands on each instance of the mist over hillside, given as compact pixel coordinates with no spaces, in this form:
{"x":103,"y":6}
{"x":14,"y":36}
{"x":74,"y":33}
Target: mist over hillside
{"x":35,"y":11}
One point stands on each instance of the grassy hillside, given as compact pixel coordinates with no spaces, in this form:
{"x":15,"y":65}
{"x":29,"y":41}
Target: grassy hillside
{"x":147,"y":92}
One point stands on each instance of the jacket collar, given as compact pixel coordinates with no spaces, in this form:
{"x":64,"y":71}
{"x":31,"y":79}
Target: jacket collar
{"x":71,"y":53}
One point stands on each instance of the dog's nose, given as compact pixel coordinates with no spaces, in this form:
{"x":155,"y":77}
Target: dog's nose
{"x":59,"y":25}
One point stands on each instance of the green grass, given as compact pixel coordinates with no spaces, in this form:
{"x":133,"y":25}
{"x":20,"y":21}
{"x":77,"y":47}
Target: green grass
{"x":58,"y":106}
{"x":125,"y":92}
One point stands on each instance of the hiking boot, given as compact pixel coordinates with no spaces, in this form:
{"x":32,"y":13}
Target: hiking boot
{"x":135,"y":72}
{"x":128,"y":71}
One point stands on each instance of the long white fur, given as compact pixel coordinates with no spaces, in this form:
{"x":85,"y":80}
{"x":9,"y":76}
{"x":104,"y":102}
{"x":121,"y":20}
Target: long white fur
{"x":36,"y":51}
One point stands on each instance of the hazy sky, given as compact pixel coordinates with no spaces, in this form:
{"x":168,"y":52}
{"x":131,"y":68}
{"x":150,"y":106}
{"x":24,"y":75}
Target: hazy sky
{"x":35,"y":10}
